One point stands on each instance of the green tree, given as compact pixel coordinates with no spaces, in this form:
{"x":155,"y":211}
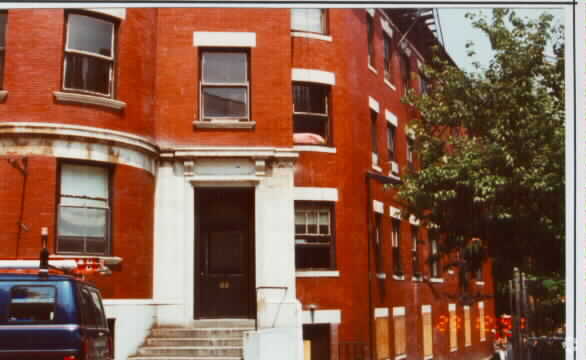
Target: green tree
{"x":491,"y":147}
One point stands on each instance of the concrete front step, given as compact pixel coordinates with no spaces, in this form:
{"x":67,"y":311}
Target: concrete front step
{"x":201,"y":351}
{"x":198,"y":332}
{"x":234,"y":341}
{"x":223,"y":323}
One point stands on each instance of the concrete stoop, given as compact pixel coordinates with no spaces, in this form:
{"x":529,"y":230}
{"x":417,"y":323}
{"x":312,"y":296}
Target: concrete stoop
{"x":218,"y":339}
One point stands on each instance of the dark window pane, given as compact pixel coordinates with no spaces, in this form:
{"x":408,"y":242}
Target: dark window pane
{"x":87,"y":73}
{"x":310,"y":98}
{"x":3,"y":17}
{"x":1,"y":69}
{"x":311,"y":124}
{"x":32,"y":303}
{"x":225,"y":252}
{"x":373,"y":133}
{"x":90,"y":34}
{"x":225,"y":102}
{"x":312,"y":257}
{"x":96,"y":245}
{"x":224,"y":67}
{"x":71,"y":244}
{"x":318,"y":336}
{"x":387,"y":58}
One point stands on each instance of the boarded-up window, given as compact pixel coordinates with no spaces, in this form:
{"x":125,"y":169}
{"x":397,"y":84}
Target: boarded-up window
{"x":382,"y":337}
{"x":427,"y":331}
{"x":453,"y":328}
{"x":467,"y":327}
{"x":481,"y":321}
{"x":316,"y":342}
{"x":399,"y":330}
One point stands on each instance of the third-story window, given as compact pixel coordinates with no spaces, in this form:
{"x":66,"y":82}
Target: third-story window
{"x":225,"y":89}
{"x":434,"y":253}
{"x":310,"y":110}
{"x":416,"y":262}
{"x":396,"y":247}
{"x":391,"y":141}
{"x":370,"y":38}
{"x":89,"y":55}
{"x":3,"y":16}
{"x":388,"y":57}
{"x":405,"y":71}
{"x":410,"y":155}
{"x":373,"y":132}
{"x":309,"y":20}
{"x":314,"y":238}
{"x":84,"y":210}
{"x":378,"y":242}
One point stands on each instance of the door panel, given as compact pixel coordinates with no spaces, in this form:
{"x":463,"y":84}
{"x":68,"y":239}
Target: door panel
{"x":225,"y":279}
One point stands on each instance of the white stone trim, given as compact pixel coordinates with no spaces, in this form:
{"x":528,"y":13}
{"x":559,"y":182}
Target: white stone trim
{"x":481,"y":304}
{"x":480,"y":283}
{"x":313,"y":76}
{"x":315,"y":148}
{"x":466,"y":307}
{"x":224,"y":124}
{"x":370,"y":11}
{"x":399,"y":311}
{"x":141,"y":302}
{"x":381,"y":312}
{"x":392,"y":118}
{"x":317,"y":274}
{"x":425,"y":309}
{"x":373,"y":104}
{"x":333,"y":316}
{"x":401,"y":357}
{"x":410,"y":133}
{"x":306,"y":193}
{"x":224,"y":39}
{"x":451,"y":307}
{"x":390,"y":85}
{"x":378,"y":207}
{"x":397,"y":277}
{"x":414,"y":220}
{"x":89,"y":100}
{"x":3,"y":94}
{"x":436,"y":280}
{"x":372,"y":69}
{"x":386,"y":27}
{"x":395,"y":213}
{"x":309,"y":35}
{"x":119,"y":13}
{"x":228,"y":152}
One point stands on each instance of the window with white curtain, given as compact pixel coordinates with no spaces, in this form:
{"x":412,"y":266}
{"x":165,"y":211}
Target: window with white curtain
{"x":310,"y":20}
{"x":84,"y":210}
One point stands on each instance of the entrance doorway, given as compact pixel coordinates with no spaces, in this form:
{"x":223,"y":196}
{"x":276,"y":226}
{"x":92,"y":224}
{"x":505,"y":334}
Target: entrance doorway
{"x":224,"y":263}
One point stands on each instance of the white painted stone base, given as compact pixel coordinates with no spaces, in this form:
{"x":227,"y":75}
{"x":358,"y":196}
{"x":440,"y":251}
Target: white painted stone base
{"x":271,"y":344}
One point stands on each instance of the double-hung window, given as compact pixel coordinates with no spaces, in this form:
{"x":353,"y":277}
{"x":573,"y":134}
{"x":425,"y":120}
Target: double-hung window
{"x":370,"y":38}
{"x":314,"y":236}
{"x":388,"y":57}
{"x":415,"y":253}
{"x":396,"y":247}
{"x":310,"y":110}
{"x":410,"y":155}
{"x":225,"y":86}
{"x":434,"y":255}
{"x":3,"y":16}
{"x":391,"y":141}
{"x":405,"y":71}
{"x":84,"y":210}
{"x":309,"y":20}
{"x":89,"y":55}
{"x":374,"y":136}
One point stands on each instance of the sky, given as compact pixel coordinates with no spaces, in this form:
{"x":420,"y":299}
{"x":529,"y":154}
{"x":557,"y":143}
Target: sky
{"x":457,"y":30}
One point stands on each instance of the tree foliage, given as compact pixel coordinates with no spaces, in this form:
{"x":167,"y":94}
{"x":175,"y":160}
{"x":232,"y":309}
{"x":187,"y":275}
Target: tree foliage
{"x":491,"y":147}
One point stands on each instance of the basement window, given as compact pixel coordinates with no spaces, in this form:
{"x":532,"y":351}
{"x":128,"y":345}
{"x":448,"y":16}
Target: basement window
{"x":83,"y":225}
{"x":316,"y":342}
{"x":89,"y":55}
{"x":311,"y":121}
{"x":314,"y":236}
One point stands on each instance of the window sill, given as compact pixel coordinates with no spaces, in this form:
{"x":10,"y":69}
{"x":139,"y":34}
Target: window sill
{"x":390,"y":85}
{"x":453,"y":350}
{"x":436,"y":280}
{"x":3,"y":94}
{"x":417,"y":278}
{"x":309,"y":35}
{"x":89,"y":100}
{"x":315,"y":148}
{"x":377,"y":168}
{"x":381,"y":276}
{"x":108,"y":260}
{"x":394,"y":176}
{"x":399,"y":277}
{"x":400,"y":357}
{"x":480,"y":283}
{"x":317,"y":273}
{"x":372,"y":69}
{"x":224,"y":124}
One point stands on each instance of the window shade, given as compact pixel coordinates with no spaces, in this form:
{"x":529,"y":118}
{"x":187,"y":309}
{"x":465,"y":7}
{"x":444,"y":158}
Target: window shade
{"x":307,"y":20}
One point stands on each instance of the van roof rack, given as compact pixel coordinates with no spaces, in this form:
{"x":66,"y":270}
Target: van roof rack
{"x":76,"y":266}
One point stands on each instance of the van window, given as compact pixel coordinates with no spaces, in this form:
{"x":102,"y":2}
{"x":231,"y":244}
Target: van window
{"x":91,"y":309}
{"x":32,"y":303}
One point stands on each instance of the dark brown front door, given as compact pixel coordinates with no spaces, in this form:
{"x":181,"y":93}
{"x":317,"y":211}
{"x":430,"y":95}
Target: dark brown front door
{"x":224,"y":281}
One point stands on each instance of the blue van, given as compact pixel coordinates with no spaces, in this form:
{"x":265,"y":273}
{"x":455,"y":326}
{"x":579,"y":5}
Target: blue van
{"x":52,"y":317}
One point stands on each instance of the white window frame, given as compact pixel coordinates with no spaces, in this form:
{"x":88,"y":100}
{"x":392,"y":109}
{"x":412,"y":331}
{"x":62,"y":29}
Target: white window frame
{"x":245,"y":84}
{"x":302,"y":238}
{"x":111,"y":59}
{"x":323,"y":22}
{"x":322,"y":116}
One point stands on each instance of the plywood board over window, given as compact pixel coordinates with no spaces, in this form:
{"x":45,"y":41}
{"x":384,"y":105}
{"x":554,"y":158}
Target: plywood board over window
{"x":481,"y":321}
{"x":427,"y":331}
{"x":382,"y":333}
{"x":453,"y":327}
{"x":399,"y":331}
{"x":467,"y":327}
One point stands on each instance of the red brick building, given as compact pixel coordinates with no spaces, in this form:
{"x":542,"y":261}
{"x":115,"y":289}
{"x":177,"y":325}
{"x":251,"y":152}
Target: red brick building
{"x":230,"y":163}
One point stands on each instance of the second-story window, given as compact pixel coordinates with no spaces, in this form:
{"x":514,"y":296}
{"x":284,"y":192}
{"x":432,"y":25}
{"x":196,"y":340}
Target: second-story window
{"x":410,"y":153}
{"x":89,"y":55}
{"x":3,"y":16}
{"x":310,"y":111}
{"x":314,"y":236}
{"x":396,"y":247}
{"x":374,"y":135}
{"x":415,"y":252}
{"x":370,"y":39}
{"x":391,"y":141}
{"x":225,"y":87}
{"x":433,"y":250}
{"x":309,"y":20}
{"x":84,"y":210}
{"x":388,"y":57}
